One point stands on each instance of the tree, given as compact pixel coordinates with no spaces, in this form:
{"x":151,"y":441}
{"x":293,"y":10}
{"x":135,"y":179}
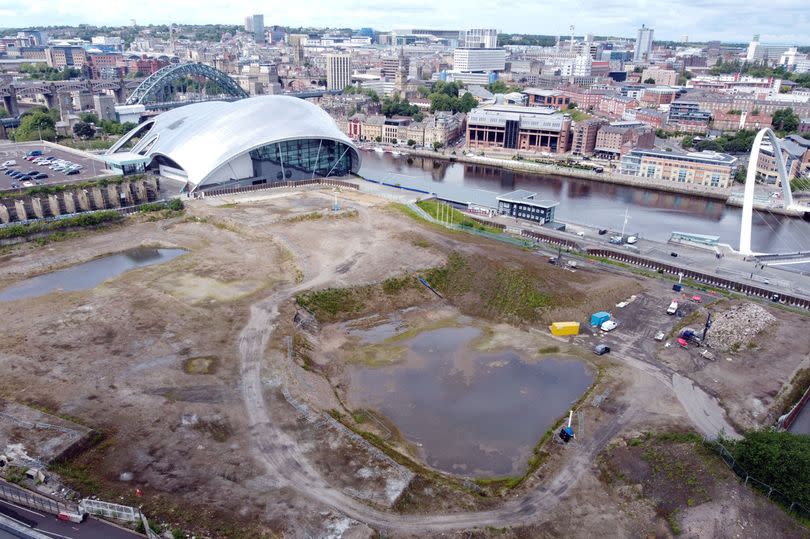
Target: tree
{"x":35,"y":123}
{"x":572,"y":105}
{"x":779,"y":459}
{"x":739,"y":176}
{"x":418,"y":117}
{"x":83,"y":130}
{"x":88,"y":117}
{"x":3,"y":113}
{"x":785,"y":120}
{"x":687,"y":141}
{"x":649,"y":80}
{"x":411,"y":142}
{"x":437,"y":145}
{"x":378,"y":138}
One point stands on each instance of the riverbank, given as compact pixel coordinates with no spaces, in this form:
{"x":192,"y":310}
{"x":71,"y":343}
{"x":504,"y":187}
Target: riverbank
{"x":725,"y":195}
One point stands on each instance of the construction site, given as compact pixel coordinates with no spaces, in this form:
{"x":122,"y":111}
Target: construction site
{"x":318,"y":361}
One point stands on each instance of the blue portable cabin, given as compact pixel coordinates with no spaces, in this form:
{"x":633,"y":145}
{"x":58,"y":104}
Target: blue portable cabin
{"x":597,"y":319}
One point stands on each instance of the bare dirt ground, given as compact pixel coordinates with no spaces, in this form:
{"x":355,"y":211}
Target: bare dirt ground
{"x":184,"y":367}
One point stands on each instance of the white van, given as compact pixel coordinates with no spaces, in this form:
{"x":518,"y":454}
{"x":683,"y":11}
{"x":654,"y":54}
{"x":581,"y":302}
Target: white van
{"x":609,"y":325}
{"x":632,"y":239}
{"x":10,"y":163}
{"x":673,"y":308}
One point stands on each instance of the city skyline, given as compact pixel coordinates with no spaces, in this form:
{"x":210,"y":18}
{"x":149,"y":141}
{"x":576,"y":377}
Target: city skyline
{"x":781,"y":21}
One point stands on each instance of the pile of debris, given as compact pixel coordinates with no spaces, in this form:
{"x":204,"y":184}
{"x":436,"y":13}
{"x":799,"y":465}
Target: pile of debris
{"x":736,"y":328}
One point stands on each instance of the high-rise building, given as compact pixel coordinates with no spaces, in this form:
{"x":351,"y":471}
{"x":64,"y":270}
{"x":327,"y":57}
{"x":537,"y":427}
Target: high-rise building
{"x":255,"y":25}
{"x":338,"y":71}
{"x":644,"y":43}
{"x":467,"y":59}
{"x":479,"y":38}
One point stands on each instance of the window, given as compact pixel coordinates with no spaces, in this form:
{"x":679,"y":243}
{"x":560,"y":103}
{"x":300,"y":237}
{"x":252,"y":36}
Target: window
{"x":682,"y":175}
{"x":715,"y":180}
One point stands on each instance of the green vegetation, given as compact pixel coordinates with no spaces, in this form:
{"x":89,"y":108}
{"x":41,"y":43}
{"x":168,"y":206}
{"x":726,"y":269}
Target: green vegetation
{"x":83,"y":220}
{"x":444,"y":96}
{"x":649,"y":80}
{"x":758,"y":70}
{"x":55,"y":189}
{"x":78,"y":476}
{"x":331,"y":301}
{"x":739,"y":142}
{"x":494,"y":291}
{"x":394,"y":285}
{"x":780,"y":459}
{"x":36,"y":122}
{"x":576,"y":114}
{"x":83,"y":130}
{"x":350,"y":90}
{"x":43,"y":72}
{"x":785,"y":121}
{"x":394,"y":106}
{"x":524,"y":39}
{"x":800,"y":184}
{"x":437,"y":209}
{"x":500,"y":87}
{"x":175,"y":205}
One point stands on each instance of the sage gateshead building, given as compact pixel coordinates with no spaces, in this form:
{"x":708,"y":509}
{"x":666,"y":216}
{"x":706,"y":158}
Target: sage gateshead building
{"x":263,"y":139}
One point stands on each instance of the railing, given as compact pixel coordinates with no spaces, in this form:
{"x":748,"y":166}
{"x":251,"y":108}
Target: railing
{"x":703,"y":278}
{"x":110,"y":510}
{"x":770,"y":492}
{"x":34,"y":501}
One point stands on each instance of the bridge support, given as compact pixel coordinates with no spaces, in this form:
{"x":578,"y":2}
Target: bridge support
{"x":120,"y":92}
{"x":10,"y":102}
{"x":750,"y":181}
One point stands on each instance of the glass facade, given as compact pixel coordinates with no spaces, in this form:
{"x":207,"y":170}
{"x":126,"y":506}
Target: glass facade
{"x":302,"y":159}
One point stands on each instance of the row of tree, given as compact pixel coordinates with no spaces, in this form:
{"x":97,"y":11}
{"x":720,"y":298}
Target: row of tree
{"x":759,"y":70}
{"x":43,"y":72}
{"x":394,"y":106}
{"x":443,"y":96}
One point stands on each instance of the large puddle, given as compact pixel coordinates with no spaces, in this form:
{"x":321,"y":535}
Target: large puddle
{"x":471,"y":413}
{"x":89,"y":274}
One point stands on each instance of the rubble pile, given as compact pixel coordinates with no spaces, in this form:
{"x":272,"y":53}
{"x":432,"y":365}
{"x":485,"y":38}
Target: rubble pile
{"x":735,"y":328}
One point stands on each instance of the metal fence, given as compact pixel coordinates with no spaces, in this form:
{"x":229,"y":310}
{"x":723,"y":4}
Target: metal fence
{"x":110,"y":510}
{"x":33,"y":501}
{"x":770,"y":492}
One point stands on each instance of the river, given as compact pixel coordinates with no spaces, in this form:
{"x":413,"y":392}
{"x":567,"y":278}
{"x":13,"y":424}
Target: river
{"x":653,"y":214}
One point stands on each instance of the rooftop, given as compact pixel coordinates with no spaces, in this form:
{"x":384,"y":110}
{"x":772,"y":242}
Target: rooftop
{"x":526,"y":197}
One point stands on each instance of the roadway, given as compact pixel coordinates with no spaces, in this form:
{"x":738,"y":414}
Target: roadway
{"x":49,"y":525}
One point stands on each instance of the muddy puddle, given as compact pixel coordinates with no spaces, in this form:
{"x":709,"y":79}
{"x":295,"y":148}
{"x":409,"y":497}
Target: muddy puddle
{"x":469,"y":412}
{"x":88,"y":274}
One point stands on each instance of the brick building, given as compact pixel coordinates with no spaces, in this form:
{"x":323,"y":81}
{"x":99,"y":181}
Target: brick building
{"x":617,"y":139}
{"x":583,"y":140}
{"x":538,"y":97}
{"x":538,"y":129}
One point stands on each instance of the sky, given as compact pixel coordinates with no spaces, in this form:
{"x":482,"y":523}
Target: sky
{"x":777,"y":21}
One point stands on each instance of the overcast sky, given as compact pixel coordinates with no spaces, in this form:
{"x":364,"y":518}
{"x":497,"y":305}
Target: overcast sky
{"x":778,"y":21}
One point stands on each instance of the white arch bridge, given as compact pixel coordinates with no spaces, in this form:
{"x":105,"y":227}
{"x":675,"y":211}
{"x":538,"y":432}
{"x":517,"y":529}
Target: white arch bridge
{"x":797,"y":257}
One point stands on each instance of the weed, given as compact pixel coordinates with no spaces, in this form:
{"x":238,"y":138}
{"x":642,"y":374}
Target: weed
{"x":548,"y":350}
{"x":219,"y":429}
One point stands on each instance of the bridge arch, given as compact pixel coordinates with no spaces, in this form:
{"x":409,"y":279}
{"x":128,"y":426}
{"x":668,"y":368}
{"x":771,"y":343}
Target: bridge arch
{"x":155,"y":85}
{"x":750,"y":180}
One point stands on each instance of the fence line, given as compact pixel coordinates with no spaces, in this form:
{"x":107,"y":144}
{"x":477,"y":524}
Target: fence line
{"x":33,"y":501}
{"x":277,"y":185}
{"x":770,"y":492}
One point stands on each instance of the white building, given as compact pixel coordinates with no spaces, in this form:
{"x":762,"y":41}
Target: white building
{"x":338,"y":71}
{"x":579,"y":66}
{"x":479,"y":38}
{"x":795,"y":61}
{"x":758,"y":52}
{"x":644,"y":42}
{"x":467,"y":59}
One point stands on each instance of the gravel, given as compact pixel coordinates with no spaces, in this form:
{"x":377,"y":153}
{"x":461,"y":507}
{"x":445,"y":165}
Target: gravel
{"x":735,"y":328}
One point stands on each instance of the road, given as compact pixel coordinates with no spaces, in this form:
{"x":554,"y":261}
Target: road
{"x":278,"y":452}
{"x":49,"y":525}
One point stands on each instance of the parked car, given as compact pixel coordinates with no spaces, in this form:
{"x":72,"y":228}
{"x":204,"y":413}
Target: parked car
{"x":72,"y":172}
{"x":40,"y":176}
{"x":697,"y":299}
{"x":632,"y":239}
{"x":674,"y":254}
{"x":673,"y":308}
{"x":601,"y":349}
{"x":609,"y":325}
{"x":617,"y":240}
{"x":35,"y":153}
{"x":602,"y":231}
{"x":9,"y":163}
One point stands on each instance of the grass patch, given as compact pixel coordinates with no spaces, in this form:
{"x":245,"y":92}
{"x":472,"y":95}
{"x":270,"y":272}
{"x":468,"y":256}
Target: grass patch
{"x":39,"y":227}
{"x":548,"y":350}
{"x":376,"y":355}
{"x":798,"y":385}
{"x":330,"y":301}
{"x":437,"y":209}
{"x":395,"y":285}
{"x":79,"y":477}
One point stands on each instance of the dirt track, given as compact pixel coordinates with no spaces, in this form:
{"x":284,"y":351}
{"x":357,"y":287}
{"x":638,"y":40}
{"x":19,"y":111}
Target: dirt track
{"x":114,"y":355}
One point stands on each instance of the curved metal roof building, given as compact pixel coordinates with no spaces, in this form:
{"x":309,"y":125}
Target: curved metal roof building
{"x":256,"y":140}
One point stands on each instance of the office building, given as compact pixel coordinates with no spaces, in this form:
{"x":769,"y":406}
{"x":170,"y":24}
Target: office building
{"x":710,"y":169}
{"x":479,"y":38}
{"x":523,"y":204}
{"x":512,"y":127}
{"x":644,"y":42}
{"x":254,"y":24}
{"x":584,"y":136}
{"x":467,"y":59}
{"x":538,"y":97}
{"x":62,"y":57}
{"x":663,"y":77}
{"x":338,"y":71}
